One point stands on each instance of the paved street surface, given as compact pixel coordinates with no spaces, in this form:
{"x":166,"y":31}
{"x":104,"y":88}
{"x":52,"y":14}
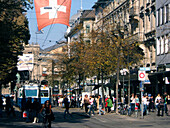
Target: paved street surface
{"x":80,"y":120}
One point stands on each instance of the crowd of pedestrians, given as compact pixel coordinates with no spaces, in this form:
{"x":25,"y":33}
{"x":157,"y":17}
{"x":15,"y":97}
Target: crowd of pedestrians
{"x":161,"y":104}
{"x":94,"y":104}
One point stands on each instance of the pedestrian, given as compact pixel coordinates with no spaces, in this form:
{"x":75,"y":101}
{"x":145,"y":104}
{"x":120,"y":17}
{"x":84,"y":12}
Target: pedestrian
{"x":81,"y":102}
{"x":106,"y":103}
{"x":109,"y":104}
{"x":157,"y":101}
{"x":151,"y":103}
{"x":144,"y":100}
{"x":137,"y":101}
{"x":113,"y":108}
{"x":35,"y":109}
{"x":86,"y":103}
{"x":168,"y":105}
{"x":60,"y":100}
{"x":147,"y":104}
{"x":126,"y":99}
{"x":66,"y":104}
{"x":100,"y":104}
{"x":132,"y":104}
{"x":28,"y":108}
{"x":91,"y":106}
{"x":161,"y":106}
{"x":165,"y":104}
{"x":95,"y":104}
{"x":46,"y":110}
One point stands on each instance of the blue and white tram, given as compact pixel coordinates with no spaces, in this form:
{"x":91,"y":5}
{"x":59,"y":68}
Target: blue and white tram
{"x":42,"y":93}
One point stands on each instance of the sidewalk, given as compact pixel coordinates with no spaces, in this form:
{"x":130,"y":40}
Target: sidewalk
{"x":152,"y":116}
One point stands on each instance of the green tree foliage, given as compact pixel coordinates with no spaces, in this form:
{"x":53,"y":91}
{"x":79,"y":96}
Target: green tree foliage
{"x":14,"y":33}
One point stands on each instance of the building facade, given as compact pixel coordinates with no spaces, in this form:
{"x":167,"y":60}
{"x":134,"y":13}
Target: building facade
{"x":161,"y":77}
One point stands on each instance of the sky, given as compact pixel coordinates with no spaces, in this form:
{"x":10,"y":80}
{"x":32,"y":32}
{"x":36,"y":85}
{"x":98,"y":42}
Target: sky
{"x":56,"y":33}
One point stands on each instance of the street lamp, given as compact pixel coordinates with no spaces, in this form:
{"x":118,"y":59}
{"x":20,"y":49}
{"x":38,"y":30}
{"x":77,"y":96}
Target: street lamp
{"x":123,"y":73}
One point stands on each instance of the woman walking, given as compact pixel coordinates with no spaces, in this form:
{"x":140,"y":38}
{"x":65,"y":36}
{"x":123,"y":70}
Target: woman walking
{"x":46,"y":109}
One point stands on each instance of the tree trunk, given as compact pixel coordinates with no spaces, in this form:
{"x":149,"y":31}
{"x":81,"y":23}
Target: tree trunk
{"x":103,"y":98}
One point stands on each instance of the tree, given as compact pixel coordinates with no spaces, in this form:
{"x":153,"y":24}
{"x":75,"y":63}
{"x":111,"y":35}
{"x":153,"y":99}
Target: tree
{"x":14,"y":33}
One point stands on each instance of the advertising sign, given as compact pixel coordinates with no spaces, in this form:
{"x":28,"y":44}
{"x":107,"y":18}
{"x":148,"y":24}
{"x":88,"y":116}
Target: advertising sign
{"x":25,"y":62}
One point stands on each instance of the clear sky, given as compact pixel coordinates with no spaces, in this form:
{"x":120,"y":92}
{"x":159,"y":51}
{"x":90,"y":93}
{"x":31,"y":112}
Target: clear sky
{"x":56,"y":33}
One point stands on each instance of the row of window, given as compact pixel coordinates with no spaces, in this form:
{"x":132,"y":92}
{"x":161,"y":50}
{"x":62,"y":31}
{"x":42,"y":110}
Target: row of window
{"x":163,"y":15}
{"x":163,"y":45}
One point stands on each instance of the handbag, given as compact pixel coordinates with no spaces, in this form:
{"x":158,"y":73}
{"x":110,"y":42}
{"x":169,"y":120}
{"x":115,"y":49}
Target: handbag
{"x":24,"y":114}
{"x":137,"y":104}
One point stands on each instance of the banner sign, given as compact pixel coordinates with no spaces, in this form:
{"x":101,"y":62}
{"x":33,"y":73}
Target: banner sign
{"x":25,"y":62}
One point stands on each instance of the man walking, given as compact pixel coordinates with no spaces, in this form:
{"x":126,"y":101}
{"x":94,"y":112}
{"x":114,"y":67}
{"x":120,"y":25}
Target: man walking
{"x":66,"y":103}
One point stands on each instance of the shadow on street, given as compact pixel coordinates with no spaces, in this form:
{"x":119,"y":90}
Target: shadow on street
{"x":18,"y":122}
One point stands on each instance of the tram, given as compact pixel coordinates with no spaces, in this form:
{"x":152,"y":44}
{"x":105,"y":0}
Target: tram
{"x":42,"y":93}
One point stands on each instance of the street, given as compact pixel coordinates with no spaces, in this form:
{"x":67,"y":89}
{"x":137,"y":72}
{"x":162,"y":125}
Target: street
{"x":80,"y":120}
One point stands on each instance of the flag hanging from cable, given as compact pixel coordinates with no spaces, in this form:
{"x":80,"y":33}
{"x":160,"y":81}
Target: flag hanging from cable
{"x":52,"y":11}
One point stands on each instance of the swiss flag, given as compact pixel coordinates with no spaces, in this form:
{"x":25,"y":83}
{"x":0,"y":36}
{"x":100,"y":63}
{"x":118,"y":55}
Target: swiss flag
{"x":52,"y":12}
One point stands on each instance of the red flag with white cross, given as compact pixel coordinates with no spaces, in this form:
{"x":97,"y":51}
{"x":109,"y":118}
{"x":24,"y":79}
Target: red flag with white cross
{"x":52,"y":11}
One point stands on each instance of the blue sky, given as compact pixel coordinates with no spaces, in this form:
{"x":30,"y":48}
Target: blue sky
{"x":56,"y":33}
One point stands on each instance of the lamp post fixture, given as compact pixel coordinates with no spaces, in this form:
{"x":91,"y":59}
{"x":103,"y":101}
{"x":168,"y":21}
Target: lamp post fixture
{"x":123,"y":73}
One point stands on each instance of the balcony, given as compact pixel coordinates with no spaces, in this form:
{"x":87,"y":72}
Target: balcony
{"x":134,"y":11}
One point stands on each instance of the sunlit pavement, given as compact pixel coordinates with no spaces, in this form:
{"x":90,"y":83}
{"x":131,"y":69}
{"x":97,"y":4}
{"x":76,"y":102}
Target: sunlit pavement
{"x":80,"y":120}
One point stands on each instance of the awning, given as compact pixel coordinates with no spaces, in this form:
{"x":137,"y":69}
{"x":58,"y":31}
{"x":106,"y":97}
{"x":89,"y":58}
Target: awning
{"x":159,"y":76}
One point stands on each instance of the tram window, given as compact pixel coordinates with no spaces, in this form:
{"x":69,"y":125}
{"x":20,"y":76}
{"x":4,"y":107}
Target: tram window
{"x":44,"y":93}
{"x":30,"y":93}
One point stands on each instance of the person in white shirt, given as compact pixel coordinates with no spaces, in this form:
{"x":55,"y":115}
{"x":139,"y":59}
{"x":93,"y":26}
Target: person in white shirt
{"x":157,"y":101}
{"x":132,"y":104}
{"x":144,"y":100}
{"x":91,"y":106}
